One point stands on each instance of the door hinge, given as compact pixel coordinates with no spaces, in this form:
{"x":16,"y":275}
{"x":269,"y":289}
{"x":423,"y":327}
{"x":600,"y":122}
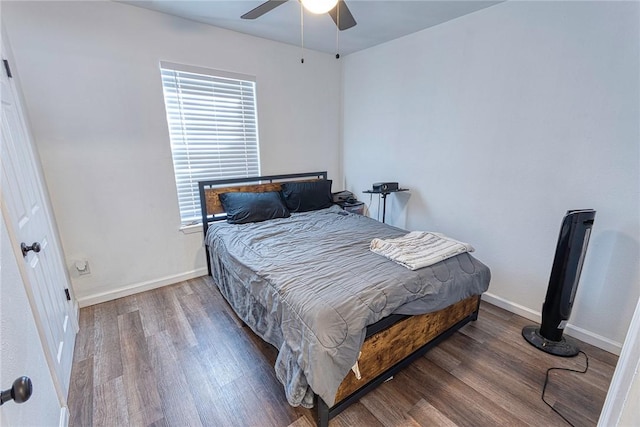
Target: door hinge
{"x":66,"y":292}
{"x":7,"y":68}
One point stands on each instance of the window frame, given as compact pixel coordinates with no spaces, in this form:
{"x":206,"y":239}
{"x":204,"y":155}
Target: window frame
{"x":188,"y":199}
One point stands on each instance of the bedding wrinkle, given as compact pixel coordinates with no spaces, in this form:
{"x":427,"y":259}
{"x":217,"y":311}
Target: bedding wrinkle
{"x":309,"y":285}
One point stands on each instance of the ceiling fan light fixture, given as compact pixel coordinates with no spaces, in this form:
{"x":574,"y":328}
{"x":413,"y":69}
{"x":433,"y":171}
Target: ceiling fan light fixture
{"x":319,"y":6}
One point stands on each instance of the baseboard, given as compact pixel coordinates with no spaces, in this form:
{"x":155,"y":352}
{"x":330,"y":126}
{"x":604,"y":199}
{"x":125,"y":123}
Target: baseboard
{"x":76,"y":313}
{"x":571,"y":330}
{"x":140,"y":287}
{"x":518,"y":309}
{"x":64,"y":417}
{"x":594,"y":339}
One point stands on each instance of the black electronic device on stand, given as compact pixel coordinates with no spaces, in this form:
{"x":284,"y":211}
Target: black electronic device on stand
{"x":384,"y":189}
{"x":563,"y":284}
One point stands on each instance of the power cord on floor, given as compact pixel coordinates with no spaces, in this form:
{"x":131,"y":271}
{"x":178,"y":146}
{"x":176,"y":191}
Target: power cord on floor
{"x":546,"y":381}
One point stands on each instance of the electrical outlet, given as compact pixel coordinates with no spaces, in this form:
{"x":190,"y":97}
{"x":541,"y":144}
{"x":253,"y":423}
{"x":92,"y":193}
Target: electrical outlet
{"x":82,"y":267}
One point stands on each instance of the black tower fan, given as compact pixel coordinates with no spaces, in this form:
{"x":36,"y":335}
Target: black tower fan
{"x":563,"y":283}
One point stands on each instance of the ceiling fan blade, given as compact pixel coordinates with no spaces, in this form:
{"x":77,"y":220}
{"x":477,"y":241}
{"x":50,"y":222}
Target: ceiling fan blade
{"x":262,"y":9}
{"x":342,"y":16}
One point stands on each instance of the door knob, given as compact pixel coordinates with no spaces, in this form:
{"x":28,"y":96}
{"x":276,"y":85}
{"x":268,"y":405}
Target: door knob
{"x":20,"y":391}
{"x":35,"y":248}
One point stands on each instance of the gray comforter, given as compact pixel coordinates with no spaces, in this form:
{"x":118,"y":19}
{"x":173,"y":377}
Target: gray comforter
{"x":309,"y":285}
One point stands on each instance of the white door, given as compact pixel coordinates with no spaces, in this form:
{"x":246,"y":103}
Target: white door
{"x":22,"y":352}
{"x":28,"y":221}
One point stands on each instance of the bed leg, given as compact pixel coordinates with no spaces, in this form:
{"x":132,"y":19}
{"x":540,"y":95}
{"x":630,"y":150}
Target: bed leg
{"x":323,"y":412}
{"x":206,"y":252}
{"x":474,"y":316}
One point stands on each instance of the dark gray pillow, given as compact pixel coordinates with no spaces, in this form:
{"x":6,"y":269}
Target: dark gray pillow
{"x":307,"y":196}
{"x":244,"y":207}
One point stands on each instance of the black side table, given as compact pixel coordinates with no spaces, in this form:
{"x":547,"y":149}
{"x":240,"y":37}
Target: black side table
{"x":384,"y":195}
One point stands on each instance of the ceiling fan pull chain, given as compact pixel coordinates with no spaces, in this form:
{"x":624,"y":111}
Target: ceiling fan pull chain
{"x":338,"y":31}
{"x":301,"y":34}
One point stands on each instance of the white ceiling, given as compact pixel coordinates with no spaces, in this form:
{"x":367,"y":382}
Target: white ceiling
{"x":378,"y":20}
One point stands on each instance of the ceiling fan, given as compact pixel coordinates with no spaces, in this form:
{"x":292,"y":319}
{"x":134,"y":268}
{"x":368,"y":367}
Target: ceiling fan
{"x":338,"y":10}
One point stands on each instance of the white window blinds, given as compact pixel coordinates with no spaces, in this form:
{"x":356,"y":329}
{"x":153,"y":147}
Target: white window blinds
{"x":213,"y":129}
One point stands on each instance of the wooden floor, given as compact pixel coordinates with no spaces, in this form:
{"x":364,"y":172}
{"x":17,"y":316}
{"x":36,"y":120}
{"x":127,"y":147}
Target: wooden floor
{"x":178,"y":356}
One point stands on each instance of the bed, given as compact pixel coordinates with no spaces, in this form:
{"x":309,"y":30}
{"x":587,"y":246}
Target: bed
{"x":298,"y":271}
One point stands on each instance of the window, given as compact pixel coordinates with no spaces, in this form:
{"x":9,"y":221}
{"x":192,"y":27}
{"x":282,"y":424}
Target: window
{"x":213,"y":129}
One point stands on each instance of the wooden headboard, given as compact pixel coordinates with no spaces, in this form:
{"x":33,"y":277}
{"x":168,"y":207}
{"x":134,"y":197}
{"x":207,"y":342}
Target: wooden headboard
{"x":210,"y":191}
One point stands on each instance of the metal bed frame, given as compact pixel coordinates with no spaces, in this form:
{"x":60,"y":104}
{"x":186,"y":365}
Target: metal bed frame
{"x":324,"y":412}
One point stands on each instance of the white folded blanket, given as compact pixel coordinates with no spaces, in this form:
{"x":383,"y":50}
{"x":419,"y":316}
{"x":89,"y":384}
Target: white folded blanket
{"x":419,"y":249}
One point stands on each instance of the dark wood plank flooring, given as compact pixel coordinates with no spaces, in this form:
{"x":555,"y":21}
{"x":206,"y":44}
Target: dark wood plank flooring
{"x":178,"y":356}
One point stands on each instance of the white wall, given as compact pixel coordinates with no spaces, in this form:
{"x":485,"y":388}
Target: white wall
{"x":499,"y":122}
{"x":92,"y":87}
